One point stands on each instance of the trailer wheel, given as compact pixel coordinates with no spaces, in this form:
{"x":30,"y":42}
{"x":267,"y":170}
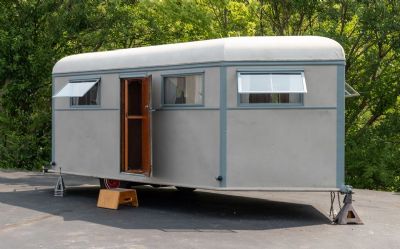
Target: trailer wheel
{"x":111,"y":183}
{"x":184,"y":189}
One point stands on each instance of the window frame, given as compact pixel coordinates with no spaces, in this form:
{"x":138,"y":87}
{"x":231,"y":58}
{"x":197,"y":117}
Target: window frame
{"x":182,"y":106}
{"x":349,"y":91}
{"x":270,"y":105}
{"x":72,"y":106}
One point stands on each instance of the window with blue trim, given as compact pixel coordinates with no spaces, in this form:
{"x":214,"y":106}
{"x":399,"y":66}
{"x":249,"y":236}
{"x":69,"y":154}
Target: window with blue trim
{"x":183,"y":90}
{"x":81,"y":93}
{"x":91,"y":97}
{"x":274,"y":88}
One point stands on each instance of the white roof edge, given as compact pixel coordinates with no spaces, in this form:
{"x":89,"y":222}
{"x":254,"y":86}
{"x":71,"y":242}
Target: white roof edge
{"x":257,"y":48}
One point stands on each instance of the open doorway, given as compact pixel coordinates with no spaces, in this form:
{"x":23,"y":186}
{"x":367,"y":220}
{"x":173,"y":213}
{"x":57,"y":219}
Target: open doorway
{"x":136,"y":125}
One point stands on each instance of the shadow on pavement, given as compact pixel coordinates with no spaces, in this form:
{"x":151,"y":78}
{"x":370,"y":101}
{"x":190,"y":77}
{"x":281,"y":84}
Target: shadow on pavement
{"x":170,"y":210}
{"x":47,"y":180}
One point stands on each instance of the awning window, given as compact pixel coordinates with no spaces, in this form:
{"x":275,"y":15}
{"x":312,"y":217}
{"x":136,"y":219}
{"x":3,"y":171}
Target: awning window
{"x":76,"y":89}
{"x":271,"y":83}
{"x":349,"y":91}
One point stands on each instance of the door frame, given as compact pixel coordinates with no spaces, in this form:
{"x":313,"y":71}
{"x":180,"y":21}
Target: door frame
{"x":145,"y":117}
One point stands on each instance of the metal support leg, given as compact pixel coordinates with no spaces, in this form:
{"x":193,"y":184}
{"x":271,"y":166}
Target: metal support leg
{"x":347,"y":215}
{"x":59,"y":189}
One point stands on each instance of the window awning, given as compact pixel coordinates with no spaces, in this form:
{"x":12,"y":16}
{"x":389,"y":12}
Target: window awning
{"x":349,"y":91}
{"x":271,"y":83}
{"x":76,"y":89}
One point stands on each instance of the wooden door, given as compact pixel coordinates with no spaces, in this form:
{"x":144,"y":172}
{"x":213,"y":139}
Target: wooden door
{"x":135,"y":125}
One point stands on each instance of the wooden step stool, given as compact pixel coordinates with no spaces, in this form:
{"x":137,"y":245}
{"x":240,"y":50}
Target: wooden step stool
{"x":111,"y":198}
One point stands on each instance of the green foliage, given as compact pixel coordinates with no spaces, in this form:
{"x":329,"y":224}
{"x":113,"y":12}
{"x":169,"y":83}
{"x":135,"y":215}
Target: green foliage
{"x":373,"y":153}
{"x":34,"y":34}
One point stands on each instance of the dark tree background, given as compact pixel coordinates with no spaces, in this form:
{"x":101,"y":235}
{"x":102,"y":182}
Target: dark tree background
{"x":34,"y":34}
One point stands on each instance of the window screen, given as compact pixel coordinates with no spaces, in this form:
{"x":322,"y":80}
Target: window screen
{"x":91,"y":97}
{"x":271,"y":88}
{"x":183,"y":90}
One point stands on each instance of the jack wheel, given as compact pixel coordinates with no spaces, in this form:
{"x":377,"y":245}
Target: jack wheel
{"x":111,"y":183}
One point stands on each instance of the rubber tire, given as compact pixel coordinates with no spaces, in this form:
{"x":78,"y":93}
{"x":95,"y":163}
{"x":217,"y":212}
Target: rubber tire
{"x":185,"y":189}
{"x":122,"y":184}
{"x":158,"y":185}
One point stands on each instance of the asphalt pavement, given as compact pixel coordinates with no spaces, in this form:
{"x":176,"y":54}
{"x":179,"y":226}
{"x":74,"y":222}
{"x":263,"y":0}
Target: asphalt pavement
{"x":31,"y":217}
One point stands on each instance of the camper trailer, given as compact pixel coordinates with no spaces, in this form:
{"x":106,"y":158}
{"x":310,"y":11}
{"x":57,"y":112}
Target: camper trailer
{"x":240,"y":113}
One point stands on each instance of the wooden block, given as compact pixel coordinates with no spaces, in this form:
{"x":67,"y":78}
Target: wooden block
{"x":112,"y":198}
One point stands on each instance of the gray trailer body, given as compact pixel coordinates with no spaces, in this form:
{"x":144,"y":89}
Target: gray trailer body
{"x":271,"y":146}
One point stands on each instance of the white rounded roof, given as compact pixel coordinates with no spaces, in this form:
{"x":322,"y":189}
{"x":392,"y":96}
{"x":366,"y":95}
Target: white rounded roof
{"x":258,"y":48}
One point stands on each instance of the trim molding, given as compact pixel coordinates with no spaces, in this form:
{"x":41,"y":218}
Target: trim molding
{"x":281,"y":107}
{"x":133,"y":71}
{"x":200,"y":108}
{"x":53,"y":124}
{"x":340,"y":136}
{"x":186,"y":108}
{"x":86,"y":108}
{"x":133,"y":75}
{"x":223,"y":126}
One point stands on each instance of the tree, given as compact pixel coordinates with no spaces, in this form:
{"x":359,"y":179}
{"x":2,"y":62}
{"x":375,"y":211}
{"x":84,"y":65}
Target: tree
{"x":34,"y":34}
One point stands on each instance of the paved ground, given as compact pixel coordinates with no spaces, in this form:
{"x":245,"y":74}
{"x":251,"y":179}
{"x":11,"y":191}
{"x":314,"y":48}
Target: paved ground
{"x":30,"y":217}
